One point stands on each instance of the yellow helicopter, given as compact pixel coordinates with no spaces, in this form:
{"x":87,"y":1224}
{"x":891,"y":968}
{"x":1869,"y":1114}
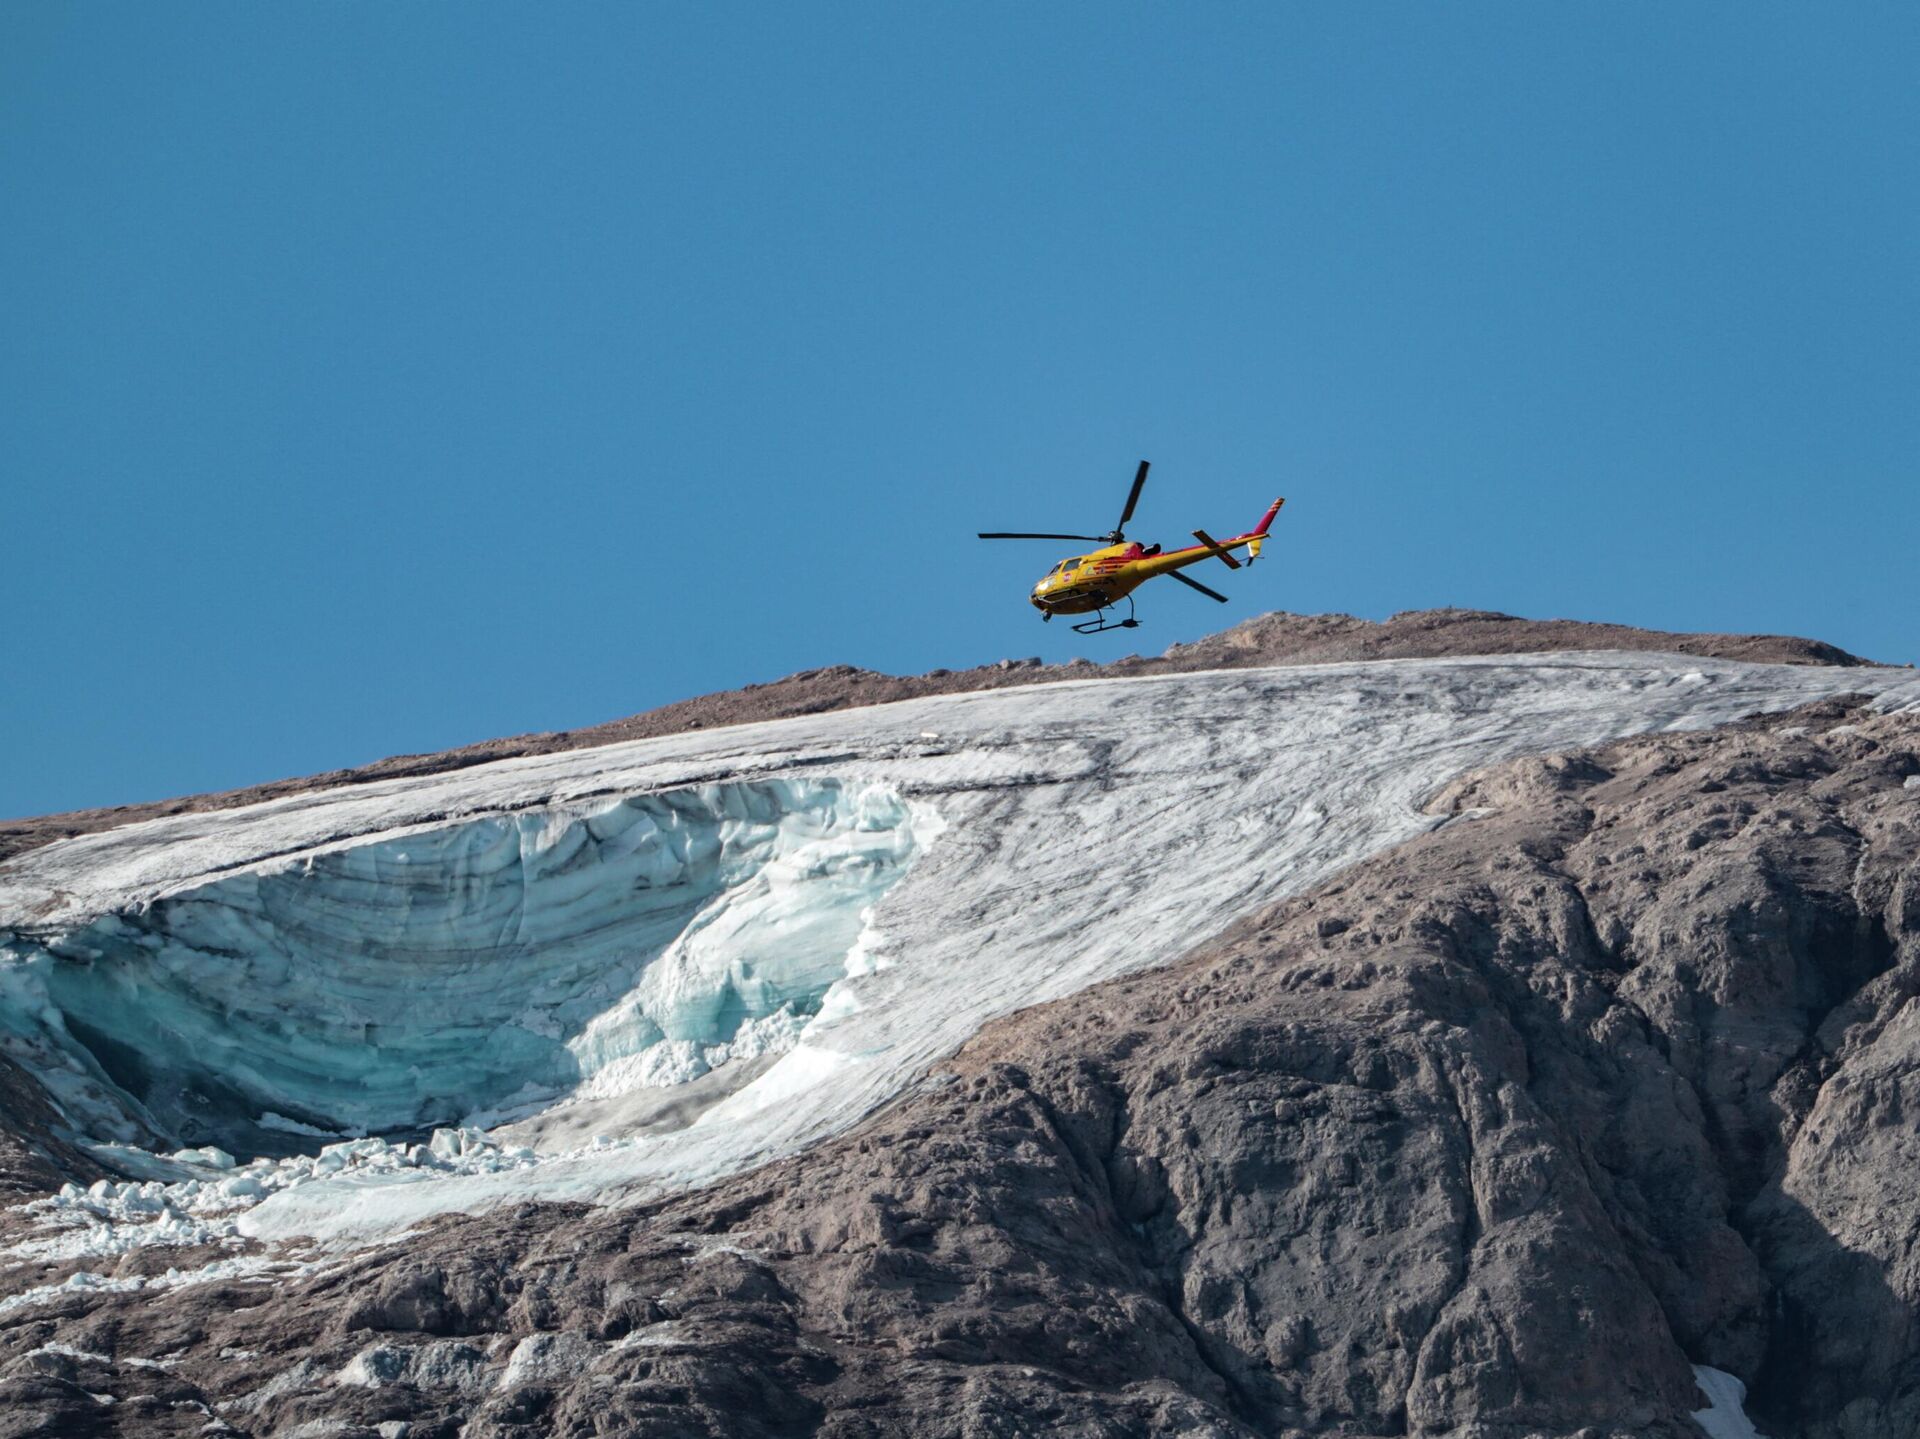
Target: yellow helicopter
{"x":1093,"y":584}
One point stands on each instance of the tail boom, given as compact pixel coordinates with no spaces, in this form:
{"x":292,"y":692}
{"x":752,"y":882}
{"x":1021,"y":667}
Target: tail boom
{"x":1208,"y":548}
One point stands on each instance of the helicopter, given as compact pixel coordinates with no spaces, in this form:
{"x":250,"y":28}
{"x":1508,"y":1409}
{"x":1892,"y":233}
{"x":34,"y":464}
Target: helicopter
{"x":1095,"y":583}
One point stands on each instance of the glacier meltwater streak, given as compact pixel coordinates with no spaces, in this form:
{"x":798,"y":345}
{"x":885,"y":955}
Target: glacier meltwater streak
{"x":489,"y":965}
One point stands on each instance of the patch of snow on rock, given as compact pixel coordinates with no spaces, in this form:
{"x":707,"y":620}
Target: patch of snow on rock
{"x":1724,"y":1417}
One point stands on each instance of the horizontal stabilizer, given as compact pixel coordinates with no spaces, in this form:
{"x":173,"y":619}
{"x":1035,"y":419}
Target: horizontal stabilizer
{"x":1213,"y":548}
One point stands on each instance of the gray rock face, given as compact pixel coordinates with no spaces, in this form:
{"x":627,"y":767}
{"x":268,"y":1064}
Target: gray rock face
{"x":1494,"y":1136}
{"x":33,"y":1157}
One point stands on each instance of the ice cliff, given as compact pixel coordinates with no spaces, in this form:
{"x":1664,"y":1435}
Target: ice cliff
{"x":498,"y":963}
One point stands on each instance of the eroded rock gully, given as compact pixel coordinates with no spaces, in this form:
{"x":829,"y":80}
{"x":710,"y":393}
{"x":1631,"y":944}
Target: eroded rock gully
{"x":1493,"y":1136}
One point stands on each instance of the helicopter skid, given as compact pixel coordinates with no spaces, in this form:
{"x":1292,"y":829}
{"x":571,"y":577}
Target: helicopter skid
{"x":1103,"y":621}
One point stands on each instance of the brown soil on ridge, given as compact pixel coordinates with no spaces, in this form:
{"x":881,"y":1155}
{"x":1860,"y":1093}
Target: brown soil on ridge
{"x":1278,"y":638}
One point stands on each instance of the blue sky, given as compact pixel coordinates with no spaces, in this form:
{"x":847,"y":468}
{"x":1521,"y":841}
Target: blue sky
{"x":380,"y":378}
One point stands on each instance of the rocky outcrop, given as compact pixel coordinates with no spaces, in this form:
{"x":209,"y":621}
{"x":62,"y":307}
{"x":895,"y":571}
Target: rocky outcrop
{"x":1493,"y":1136}
{"x":1278,"y":638}
{"x":33,"y":1156}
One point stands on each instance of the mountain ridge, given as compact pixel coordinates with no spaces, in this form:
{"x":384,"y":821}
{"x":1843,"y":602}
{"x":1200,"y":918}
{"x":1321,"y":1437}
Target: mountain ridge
{"x":1276,"y":638}
{"x":1580,"y":1088}
{"x":1492,"y":1135}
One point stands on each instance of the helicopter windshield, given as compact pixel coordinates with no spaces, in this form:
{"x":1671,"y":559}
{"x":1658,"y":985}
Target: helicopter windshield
{"x":1066,"y":564}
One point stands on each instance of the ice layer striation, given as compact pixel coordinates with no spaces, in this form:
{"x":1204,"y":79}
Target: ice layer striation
{"x":492,"y":964}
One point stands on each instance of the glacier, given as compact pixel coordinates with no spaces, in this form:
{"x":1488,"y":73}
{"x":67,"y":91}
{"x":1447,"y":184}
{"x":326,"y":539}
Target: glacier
{"x":603,"y":973}
{"x":413,"y":982}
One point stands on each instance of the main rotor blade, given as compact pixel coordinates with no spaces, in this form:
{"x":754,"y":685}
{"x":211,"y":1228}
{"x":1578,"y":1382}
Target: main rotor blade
{"x":1133,"y":496}
{"x":1011,"y":535}
{"x":1196,"y":585}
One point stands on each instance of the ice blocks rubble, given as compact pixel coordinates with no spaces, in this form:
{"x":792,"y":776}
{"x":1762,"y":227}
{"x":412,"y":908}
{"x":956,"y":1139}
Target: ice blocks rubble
{"x":409,"y":982}
{"x":859,"y":892}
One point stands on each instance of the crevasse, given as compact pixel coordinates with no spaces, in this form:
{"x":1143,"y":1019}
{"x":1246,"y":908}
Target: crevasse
{"x":485,"y":965}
